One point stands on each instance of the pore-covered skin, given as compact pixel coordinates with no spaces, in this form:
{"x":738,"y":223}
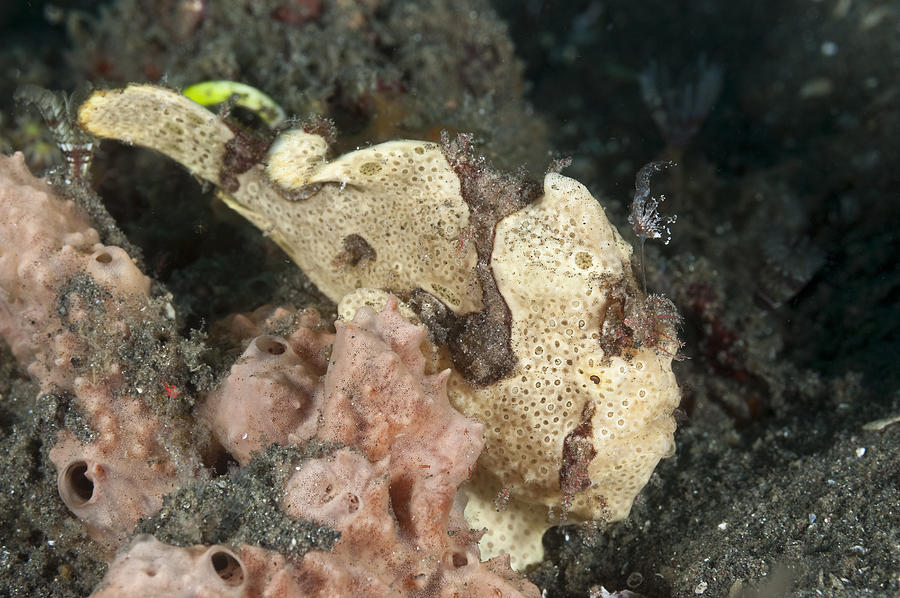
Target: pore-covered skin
{"x":525,"y":290}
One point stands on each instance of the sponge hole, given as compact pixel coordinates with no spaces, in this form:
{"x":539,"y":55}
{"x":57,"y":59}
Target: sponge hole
{"x":227,"y":567}
{"x":75,"y":487}
{"x":270,"y":345}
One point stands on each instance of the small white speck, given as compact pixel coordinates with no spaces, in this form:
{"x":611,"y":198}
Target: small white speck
{"x":861,"y":451}
{"x":244,"y":437}
{"x":812,"y":517}
{"x":51,"y":542}
{"x":829,"y":48}
{"x":701,"y":587}
{"x":723,"y":526}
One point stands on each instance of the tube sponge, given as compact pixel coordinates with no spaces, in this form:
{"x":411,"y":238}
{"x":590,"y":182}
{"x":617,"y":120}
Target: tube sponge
{"x":194,"y":572}
{"x":68,"y":305}
{"x":269,"y":396}
{"x":395,"y":453}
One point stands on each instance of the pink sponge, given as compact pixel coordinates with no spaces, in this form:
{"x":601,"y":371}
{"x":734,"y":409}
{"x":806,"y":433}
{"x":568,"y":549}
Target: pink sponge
{"x":67,"y":307}
{"x":270,"y":393}
{"x":44,"y":242}
{"x":378,"y":399}
{"x":197,"y":572}
{"x":390,"y":490}
{"x":268,"y":397}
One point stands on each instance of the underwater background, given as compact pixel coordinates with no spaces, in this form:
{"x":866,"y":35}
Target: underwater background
{"x":784,"y":119}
